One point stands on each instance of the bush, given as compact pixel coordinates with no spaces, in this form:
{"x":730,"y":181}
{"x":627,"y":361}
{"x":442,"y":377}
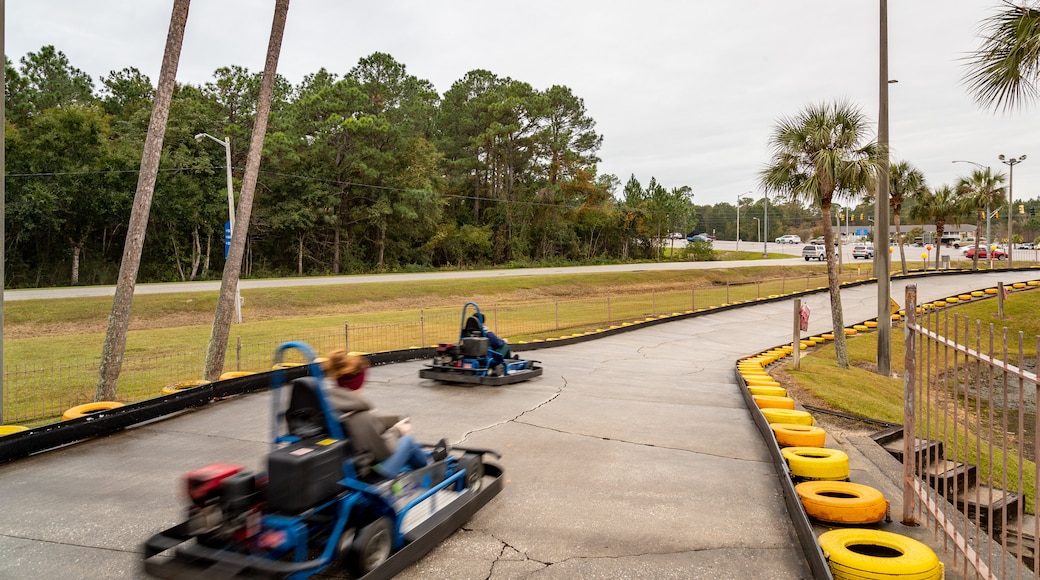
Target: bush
{"x":699,"y":252}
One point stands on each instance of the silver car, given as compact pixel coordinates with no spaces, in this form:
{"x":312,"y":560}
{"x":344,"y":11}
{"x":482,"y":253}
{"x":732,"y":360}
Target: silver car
{"x":814,"y":252}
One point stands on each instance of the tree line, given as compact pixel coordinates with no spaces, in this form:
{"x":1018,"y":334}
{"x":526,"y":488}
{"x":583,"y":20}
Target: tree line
{"x":371,"y":170}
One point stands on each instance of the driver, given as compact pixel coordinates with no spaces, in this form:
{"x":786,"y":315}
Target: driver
{"x":496,"y":344}
{"x":388,"y":438}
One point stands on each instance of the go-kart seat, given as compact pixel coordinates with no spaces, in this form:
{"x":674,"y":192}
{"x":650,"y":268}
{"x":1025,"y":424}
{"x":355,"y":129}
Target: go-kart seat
{"x":303,"y":416}
{"x":473,"y":327}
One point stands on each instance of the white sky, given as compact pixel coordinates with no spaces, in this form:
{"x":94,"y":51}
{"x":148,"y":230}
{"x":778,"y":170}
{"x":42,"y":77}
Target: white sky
{"x":685,"y":91}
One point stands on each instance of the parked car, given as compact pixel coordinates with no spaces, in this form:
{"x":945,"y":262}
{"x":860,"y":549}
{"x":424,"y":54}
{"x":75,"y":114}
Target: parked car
{"x":698,"y":238}
{"x":789,"y":239}
{"x":984,"y":253}
{"x":676,"y":235}
{"x":814,"y":252}
{"x":863,"y":251}
{"x":817,"y":241}
{"x":1026,"y":246}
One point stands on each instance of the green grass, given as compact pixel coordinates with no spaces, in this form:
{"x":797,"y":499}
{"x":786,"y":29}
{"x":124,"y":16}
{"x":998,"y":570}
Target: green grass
{"x":860,"y":391}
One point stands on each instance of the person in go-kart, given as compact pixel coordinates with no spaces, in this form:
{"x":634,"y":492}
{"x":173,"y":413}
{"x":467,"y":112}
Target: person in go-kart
{"x":387,"y":437}
{"x":495,"y":343}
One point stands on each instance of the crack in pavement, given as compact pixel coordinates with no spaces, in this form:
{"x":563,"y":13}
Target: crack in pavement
{"x":612,"y":439}
{"x":56,"y":543}
{"x":555,"y":395}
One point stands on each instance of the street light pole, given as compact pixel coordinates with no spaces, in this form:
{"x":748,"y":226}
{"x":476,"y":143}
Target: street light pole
{"x":1011,"y":163}
{"x":882,"y":206}
{"x":758,"y":227}
{"x":226,"y":142}
{"x":765,"y":227}
{"x":989,"y":171}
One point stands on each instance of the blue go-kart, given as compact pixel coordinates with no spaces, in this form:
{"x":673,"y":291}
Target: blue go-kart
{"x":319,"y":503}
{"x":472,"y":360}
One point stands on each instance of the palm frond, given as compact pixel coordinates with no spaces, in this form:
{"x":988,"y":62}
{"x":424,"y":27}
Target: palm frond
{"x":1004,"y":71}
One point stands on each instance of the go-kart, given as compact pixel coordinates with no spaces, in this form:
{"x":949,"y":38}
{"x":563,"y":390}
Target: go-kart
{"x":471,"y":360}
{"x":319,"y":502}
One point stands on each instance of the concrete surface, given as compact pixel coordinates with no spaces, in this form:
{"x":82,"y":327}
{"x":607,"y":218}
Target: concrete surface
{"x":633,"y":456}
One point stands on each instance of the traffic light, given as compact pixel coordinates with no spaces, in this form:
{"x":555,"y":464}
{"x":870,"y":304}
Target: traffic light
{"x":1032,"y":211}
{"x":861,"y":217}
{"x":1021,"y":209}
{"x":996,"y":214}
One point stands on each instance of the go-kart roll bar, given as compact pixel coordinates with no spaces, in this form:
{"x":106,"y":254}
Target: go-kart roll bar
{"x":278,"y":381}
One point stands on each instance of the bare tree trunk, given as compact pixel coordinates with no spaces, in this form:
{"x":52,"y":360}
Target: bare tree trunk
{"x":899,"y":240}
{"x":335,"y":251}
{"x":232,"y":267}
{"x":841,"y":350}
{"x":177,"y":258}
{"x":77,"y":249}
{"x":205,"y":261}
{"x":119,"y":319}
{"x":196,"y":252}
{"x":299,"y":255}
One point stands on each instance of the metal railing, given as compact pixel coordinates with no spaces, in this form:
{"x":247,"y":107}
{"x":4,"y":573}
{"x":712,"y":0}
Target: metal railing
{"x":969,"y":439}
{"x":36,"y":393}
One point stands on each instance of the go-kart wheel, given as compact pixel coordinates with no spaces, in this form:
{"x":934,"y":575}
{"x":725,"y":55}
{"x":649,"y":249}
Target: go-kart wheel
{"x":498,"y":370}
{"x":475,"y":474}
{"x":370,"y":548}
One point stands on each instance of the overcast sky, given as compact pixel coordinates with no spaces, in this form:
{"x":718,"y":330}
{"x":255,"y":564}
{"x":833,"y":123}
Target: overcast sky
{"x":684,"y":91}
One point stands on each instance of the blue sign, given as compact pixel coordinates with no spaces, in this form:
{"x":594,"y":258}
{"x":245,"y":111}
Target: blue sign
{"x":227,"y":238}
{"x":861,"y":232}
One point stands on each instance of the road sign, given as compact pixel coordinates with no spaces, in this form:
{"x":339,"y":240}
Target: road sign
{"x":227,"y":238}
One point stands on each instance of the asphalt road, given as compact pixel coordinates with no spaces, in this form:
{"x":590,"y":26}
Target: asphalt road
{"x":795,"y":250}
{"x":633,"y":456}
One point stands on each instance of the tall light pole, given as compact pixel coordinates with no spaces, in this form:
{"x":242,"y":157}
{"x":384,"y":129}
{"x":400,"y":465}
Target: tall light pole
{"x":765,"y":227}
{"x":883,"y":205}
{"x":1011,"y":163}
{"x":988,"y":216}
{"x":738,"y":219}
{"x":231,"y":207}
{"x":758,"y":226}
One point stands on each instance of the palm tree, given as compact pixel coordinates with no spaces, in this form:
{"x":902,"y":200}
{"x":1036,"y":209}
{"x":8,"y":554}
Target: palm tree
{"x":980,"y":192}
{"x":1005,"y":70}
{"x":818,"y":155}
{"x":905,"y":181}
{"x":940,"y":206}
{"x":119,"y":320}
{"x":226,"y":300}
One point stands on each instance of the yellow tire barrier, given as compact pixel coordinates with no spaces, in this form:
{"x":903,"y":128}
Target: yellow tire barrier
{"x":235,"y":375}
{"x":828,"y":336}
{"x":951,"y":300}
{"x":817,"y":463}
{"x":11,"y":429}
{"x":860,"y":327}
{"x":762,"y":383}
{"x":771,"y":402}
{"x":182,"y":386}
{"x":286,"y":365}
{"x":990,"y":290}
{"x":1019,"y":285}
{"x":89,"y":408}
{"x":964,"y":297}
{"x":867,"y":553}
{"x":818,"y":338}
{"x":850,"y":331}
{"x":896,"y":317}
{"x":939,"y":303}
{"x":870,"y":324}
{"x":788,"y":416}
{"x":1033,"y":283}
{"x":768,"y":391}
{"x":842,"y":502}
{"x":793,"y":435}
{"x":978,"y":294}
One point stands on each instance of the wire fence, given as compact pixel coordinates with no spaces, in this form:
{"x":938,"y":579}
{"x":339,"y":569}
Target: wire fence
{"x":37,"y":394}
{"x":970,"y":439}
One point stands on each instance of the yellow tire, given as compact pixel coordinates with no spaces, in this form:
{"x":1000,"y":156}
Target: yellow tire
{"x":182,"y":386}
{"x":867,"y":553}
{"x":850,"y":331}
{"x":990,"y":290}
{"x":1019,"y":285}
{"x":964,"y":297}
{"x":1033,"y":283}
{"x":896,"y":317}
{"x":818,"y":339}
{"x":793,"y":435}
{"x":788,"y":416}
{"x":952,"y":300}
{"x":11,"y":429}
{"x":860,"y":327}
{"x":842,"y":502}
{"x":89,"y":408}
{"x":771,"y":402}
{"x":817,"y":463}
{"x":769,"y":391}
{"x":870,"y":324}
{"x":828,"y":336}
{"x":978,"y":294}
{"x":762,"y":383}
{"x":235,"y":375}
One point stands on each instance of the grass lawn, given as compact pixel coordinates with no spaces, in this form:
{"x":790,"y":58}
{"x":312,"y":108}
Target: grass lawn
{"x":858,"y":390}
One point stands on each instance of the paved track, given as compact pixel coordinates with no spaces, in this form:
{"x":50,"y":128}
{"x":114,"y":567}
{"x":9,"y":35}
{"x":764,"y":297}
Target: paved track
{"x":634,"y":456}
